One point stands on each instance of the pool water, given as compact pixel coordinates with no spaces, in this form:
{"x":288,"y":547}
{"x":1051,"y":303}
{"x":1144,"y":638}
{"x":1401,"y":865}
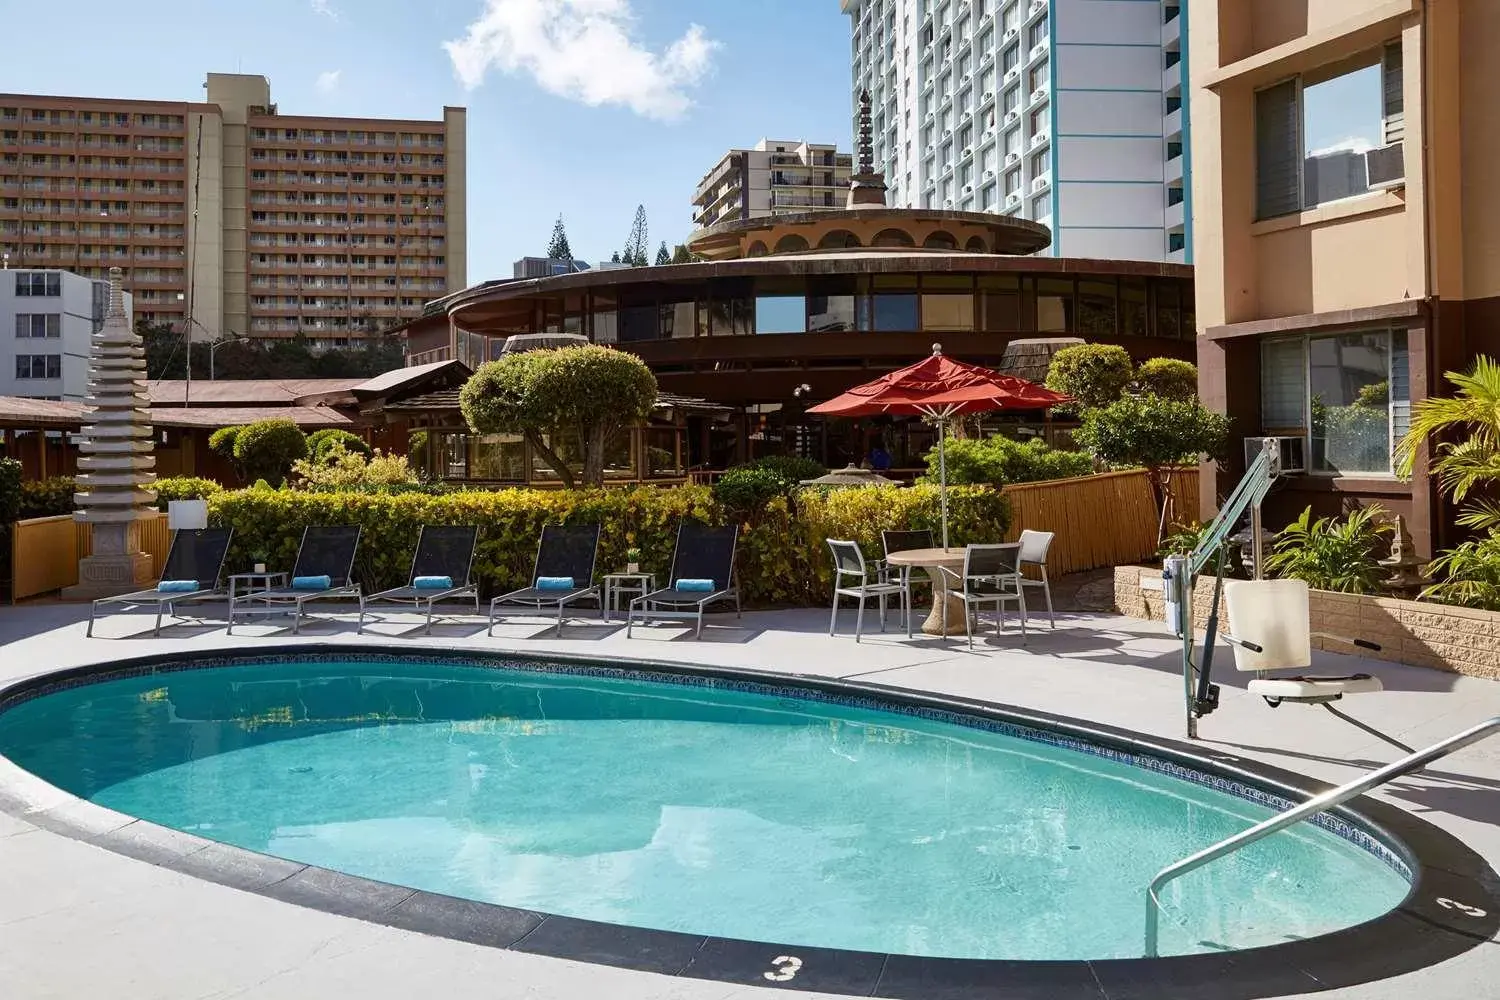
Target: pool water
{"x":677,"y":807}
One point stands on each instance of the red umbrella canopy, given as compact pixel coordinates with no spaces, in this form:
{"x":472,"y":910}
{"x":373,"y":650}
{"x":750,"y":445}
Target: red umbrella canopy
{"x":940,"y":384}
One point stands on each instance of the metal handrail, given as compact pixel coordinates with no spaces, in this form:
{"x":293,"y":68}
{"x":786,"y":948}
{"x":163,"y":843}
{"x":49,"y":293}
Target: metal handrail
{"x":1318,"y":803}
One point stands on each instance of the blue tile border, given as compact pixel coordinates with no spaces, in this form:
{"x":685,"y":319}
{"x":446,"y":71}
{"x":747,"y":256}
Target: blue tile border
{"x":1425,"y":929}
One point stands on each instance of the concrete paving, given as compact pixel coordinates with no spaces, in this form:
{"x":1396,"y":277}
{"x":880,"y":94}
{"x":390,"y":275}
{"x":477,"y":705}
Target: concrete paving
{"x":78,"y":921}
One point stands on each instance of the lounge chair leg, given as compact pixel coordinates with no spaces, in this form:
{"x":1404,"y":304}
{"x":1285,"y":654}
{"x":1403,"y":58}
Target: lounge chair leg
{"x":1021,"y":600}
{"x":297,"y":620}
{"x":491,"y":630}
{"x":429,"y":618}
{"x":559,"y":619}
{"x":698,"y":633}
{"x":969,"y":623}
{"x":834,"y":616}
{"x":1047,"y":590}
{"x":93,"y":610}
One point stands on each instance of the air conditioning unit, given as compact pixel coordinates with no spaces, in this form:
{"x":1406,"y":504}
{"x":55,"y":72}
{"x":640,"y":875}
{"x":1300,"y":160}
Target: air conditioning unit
{"x":947,"y":132}
{"x":964,"y":78}
{"x":1011,"y":33}
{"x":1039,"y":183}
{"x":1386,"y":167}
{"x":989,"y":174}
{"x":1037,"y":6}
{"x":930,"y":148}
{"x":989,"y":95}
{"x":967,"y":151}
{"x":1039,"y":138}
{"x":989,"y":57}
{"x":1012,"y":117}
{"x":986,"y":19}
{"x":1039,"y":49}
{"x":930,"y":116}
{"x":1289,"y":453}
{"x":1012,"y":73}
{"x":1012,"y":158}
{"x":947,"y":202}
{"x":1014,"y":198}
{"x":1039,"y":93}
{"x":968,"y":189}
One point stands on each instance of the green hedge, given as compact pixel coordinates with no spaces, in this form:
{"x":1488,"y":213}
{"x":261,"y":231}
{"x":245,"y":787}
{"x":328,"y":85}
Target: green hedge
{"x":782,"y":560}
{"x":46,"y":497}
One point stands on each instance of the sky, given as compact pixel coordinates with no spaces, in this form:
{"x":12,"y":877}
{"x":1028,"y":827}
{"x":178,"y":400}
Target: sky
{"x":584,"y":108}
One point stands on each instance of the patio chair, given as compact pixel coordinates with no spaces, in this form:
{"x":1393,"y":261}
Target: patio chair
{"x":902,"y":541}
{"x":849,"y":561}
{"x":991,"y":575}
{"x":563,"y":573}
{"x":1034,"y":546}
{"x":194,"y":565}
{"x":702,"y":574}
{"x":1272,"y":631}
{"x":440,"y":571}
{"x":324,"y":570}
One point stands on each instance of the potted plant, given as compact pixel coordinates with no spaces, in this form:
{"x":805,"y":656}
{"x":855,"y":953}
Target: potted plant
{"x":258,"y":558}
{"x":632,"y":560}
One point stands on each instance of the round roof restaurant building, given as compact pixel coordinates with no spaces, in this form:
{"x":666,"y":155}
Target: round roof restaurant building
{"x":787,"y":311}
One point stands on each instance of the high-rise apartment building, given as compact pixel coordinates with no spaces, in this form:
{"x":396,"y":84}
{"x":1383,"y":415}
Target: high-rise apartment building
{"x":1348,"y":226}
{"x":1064,"y":112}
{"x":249,"y":221}
{"x":776,"y":177}
{"x":46,"y":320}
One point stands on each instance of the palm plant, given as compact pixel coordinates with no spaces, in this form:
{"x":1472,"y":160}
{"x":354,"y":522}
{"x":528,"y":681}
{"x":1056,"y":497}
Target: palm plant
{"x":1471,"y":461}
{"x":1333,"y":554}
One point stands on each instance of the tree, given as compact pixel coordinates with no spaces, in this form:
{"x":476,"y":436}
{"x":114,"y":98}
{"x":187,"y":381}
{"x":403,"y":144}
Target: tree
{"x":636,"y":244}
{"x":320,"y":443}
{"x":266,"y":449}
{"x":682,"y":255}
{"x":583,"y":397}
{"x":558,"y":248}
{"x":1093,"y":374}
{"x":663,"y":256}
{"x":614,"y":258}
{"x":1168,"y":378}
{"x":1155,"y":433}
{"x":1466,"y":459}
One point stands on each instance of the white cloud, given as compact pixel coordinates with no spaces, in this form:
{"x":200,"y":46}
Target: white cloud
{"x":1348,"y":144}
{"x":328,"y":81}
{"x":321,"y":7}
{"x":583,"y":50}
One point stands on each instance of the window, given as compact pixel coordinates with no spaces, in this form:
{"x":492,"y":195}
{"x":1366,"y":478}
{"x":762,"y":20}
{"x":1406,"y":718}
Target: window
{"x":38,"y":283}
{"x":830,"y":305}
{"x":1041,"y":208}
{"x":30,"y":366}
{"x":1012,"y":181}
{"x":38,"y":325}
{"x":894,"y":303}
{"x":780,"y":314}
{"x":1096,"y":308}
{"x":1012,"y":98}
{"x":1312,"y":132}
{"x":1038,"y":76}
{"x":999,"y":303}
{"x":1010,"y":57}
{"x":1054,"y":305}
{"x":1037,"y":33}
{"x":1349,"y":394}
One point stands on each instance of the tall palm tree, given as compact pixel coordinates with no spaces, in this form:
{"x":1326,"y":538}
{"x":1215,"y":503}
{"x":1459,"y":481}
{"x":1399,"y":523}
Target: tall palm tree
{"x":1470,"y":459}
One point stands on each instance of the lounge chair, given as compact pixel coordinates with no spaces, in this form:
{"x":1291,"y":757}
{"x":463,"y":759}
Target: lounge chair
{"x":324,"y":570}
{"x":195,"y":562}
{"x":702,"y":574}
{"x":562,"y":575}
{"x":440,"y":571}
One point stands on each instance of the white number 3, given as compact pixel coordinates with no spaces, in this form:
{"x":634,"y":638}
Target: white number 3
{"x":1464,"y":908}
{"x":786,"y":967}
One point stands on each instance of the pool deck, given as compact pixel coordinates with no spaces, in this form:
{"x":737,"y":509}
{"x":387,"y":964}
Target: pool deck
{"x":79,"y":921}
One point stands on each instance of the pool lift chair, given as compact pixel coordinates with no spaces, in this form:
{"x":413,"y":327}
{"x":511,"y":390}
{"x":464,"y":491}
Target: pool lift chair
{"x":1271,"y":618}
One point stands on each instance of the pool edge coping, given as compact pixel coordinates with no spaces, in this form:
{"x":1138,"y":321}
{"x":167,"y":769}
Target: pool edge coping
{"x":1452,"y":907}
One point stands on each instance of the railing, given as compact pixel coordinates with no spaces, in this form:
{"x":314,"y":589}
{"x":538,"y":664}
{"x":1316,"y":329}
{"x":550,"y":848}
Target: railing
{"x":45,"y":551}
{"x":1317,"y":804}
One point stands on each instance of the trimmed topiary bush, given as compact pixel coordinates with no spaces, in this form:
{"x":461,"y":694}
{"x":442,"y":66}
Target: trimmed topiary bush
{"x":749,"y":486}
{"x":319,"y":443}
{"x":1093,"y":374}
{"x":1168,"y":378}
{"x":999,"y":461}
{"x":266,"y":449}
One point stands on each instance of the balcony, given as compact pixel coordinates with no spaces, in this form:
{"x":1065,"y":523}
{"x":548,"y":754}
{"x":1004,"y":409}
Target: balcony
{"x":1173,"y":125}
{"x":1175,"y":218}
{"x":1174,"y":170}
{"x":1171,"y":79}
{"x":1171,"y":32}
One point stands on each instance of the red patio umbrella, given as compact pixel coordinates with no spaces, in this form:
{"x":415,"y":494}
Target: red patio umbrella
{"x":942,"y":388}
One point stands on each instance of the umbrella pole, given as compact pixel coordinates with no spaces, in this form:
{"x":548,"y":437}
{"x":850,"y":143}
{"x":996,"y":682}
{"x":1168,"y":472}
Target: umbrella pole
{"x":943,"y":477}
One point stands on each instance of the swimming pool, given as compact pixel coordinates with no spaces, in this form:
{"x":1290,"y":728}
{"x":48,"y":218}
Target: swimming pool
{"x":650,"y":802}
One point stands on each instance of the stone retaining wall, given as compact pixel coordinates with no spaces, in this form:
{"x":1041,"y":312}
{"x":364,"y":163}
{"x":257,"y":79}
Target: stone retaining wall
{"x":1439,"y":636}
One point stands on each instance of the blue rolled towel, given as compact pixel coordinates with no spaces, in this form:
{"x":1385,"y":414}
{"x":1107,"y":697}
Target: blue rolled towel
{"x":312,"y":582}
{"x":433,"y":583}
{"x":554,"y":583}
{"x":177,"y":586}
{"x":704,"y":586}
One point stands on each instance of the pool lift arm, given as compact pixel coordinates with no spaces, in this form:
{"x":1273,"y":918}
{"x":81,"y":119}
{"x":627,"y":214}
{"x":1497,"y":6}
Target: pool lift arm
{"x":1180,"y":574}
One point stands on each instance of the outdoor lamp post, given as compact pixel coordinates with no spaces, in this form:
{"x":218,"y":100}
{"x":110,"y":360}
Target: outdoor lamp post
{"x":213,"y":348}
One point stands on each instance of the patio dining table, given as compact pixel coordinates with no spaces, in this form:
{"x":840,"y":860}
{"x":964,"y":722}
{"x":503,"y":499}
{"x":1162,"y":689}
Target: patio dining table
{"x":929,"y":560}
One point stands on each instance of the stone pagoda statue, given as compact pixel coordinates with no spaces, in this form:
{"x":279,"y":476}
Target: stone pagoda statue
{"x":116,"y":464}
{"x":867,"y":187}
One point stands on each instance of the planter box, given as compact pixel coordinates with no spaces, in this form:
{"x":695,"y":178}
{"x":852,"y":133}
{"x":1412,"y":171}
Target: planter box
{"x":1458,"y":640}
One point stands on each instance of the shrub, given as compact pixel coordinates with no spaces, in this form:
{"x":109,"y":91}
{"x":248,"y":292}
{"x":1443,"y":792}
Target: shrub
{"x":266,"y":449}
{"x":746,"y":489}
{"x":1467,"y":575}
{"x":46,"y":497}
{"x":1168,"y":378}
{"x":1093,"y":374}
{"x":1333,"y":554}
{"x":997,"y":461}
{"x":338,"y":469}
{"x":10,"y":490}
{"x":221,"y":441}
{"x":792,"y":468}
{"x":184,"y":488}
{"x":782,"y":556}
{"x":318,"y":443}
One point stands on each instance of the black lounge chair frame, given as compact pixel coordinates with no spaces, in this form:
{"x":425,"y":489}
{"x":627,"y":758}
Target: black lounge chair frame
{"x":338,"y":566}
{"x":559,"y":552}
{"x":702,"y":553}
{"x":434,"y":562}
{"x":193,"y":550}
